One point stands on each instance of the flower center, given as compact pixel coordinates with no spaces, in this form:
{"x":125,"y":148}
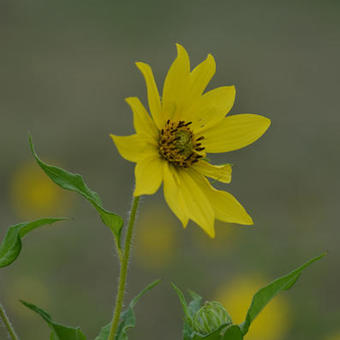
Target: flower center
{"x":178,"y":145}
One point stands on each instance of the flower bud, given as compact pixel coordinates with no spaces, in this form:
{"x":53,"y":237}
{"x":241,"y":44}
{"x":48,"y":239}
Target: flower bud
{"x":210,"y":317}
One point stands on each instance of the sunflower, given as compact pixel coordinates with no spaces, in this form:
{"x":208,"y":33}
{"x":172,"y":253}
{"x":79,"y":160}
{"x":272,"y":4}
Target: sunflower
{"x":171,"y":144}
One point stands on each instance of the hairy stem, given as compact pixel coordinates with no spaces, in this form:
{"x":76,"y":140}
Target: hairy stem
{"x":123,"y":270}
{"x":7,"y":323}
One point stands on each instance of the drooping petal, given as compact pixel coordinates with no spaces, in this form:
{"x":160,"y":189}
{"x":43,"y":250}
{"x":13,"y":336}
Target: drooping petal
{"x":142,"y":121}
{"x":211,"y":108}
{"x":134,"y":147}
{"x":149,"y":176}
{"x":221,"y":173}
{"x":153,"y":94}
{"x":176,"y":85}
{"x":197,"y":205}
{"x":225,"y":205}
{"x":235,"y":132}
{"x":172,"y":194}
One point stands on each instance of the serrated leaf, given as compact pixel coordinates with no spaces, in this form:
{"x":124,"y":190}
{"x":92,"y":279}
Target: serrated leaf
{"x":264,"y":295}
{"x":233,"y":333}
{"x":11,"y":245}
{"x":127,"y":319}
{"x":75,"y":182}
{"x":59,"y":332}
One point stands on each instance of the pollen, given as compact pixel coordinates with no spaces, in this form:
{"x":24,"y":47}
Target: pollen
{"x":178,"y":144}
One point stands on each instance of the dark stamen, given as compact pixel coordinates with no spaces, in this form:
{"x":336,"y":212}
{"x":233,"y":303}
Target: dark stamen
{"x":200,"y":149}
{"x":200,"y":138}
{"x":187,"y":123}
{"x":189,"y":156}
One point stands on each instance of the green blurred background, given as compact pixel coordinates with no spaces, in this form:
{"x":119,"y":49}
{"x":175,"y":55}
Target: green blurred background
{"x":65,"y":69}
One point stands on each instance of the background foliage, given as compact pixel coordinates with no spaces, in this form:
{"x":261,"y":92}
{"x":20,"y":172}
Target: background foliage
{"x":65,"y":68}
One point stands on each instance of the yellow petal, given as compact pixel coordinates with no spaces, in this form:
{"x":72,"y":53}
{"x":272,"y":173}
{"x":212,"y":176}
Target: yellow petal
{"x":225,"y":205}
{"x":211,"y":107}
{"x":149,"y":175}
{"x":197,"y":205}
{"x":234,"y":132}
{"x":176,"y":84}
{"x":221,"y":173}
{"x":201,"y":76}
{"x":143,"y":123}
{"x":153,"y":94}
{"x":172,"y":193}
{"x":134,"y":147}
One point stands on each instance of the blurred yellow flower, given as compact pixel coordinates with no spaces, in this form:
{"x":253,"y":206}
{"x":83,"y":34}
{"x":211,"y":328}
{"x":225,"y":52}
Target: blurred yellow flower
{"x":335,"y":336}
{"x":34,"y":195}
{"x":171,"y":145}
{"x":155,"y":241}
{"x":271,"y":324}
{"x":27,"y":288}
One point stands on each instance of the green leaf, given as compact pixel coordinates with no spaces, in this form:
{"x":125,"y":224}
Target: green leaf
{"x":104,"y":332}
{"x":75,"y":182}
{"x":127,"y":319}
{"x":59,"y":332}
{"x":182,"y":300}
{"x":194,"y":304}
{"x":11,"y":245}
{"x":193,"y":307}
{"x":188,"y":312}
{"x":264,"y":295}
{"x":215,"y":335}
{"x":233,"y":333}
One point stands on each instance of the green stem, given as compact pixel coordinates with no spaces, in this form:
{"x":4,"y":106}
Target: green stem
{"x":123,"y":270}
{"x":7,"y":323}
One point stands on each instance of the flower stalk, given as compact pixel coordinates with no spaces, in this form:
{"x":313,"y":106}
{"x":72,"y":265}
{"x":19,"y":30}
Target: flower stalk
{"x":7,"y":323}
{"x":124,"y":261}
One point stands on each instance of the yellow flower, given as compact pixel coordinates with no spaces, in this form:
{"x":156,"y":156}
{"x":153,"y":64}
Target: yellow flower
{"x":273,"y":321}
{"x":171,"y":145}
{"x":155,"y":241}
{"x":34,"y":195}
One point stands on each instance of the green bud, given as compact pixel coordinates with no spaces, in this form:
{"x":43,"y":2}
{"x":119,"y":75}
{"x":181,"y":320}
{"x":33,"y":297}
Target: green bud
{"x":210,"y":317}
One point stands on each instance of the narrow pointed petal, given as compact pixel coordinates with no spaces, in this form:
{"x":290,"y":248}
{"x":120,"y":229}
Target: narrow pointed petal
{"x":172,"y":193}
{"x":197,"y":204}
{"x":134,"y":148}
{"x":176,"y":84}
{"x":201,"y":76}
{"x":153,"y":94}
{"x":149,"y":176}
{"x":142,"y":121}
{"x":221,"y":173}
{"x":226,"y":207}
{"x":235,"y":132}
{"x":212,"y":107}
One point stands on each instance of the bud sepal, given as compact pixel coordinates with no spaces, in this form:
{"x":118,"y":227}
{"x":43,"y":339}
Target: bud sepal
{"x":211,"y":316}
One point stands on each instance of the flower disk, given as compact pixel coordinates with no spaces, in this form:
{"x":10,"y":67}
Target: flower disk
{"x":171,"y":143}
{"x":178,"y":145}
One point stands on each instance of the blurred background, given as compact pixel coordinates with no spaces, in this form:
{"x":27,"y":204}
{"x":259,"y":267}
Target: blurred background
{"x":65,"y":69}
